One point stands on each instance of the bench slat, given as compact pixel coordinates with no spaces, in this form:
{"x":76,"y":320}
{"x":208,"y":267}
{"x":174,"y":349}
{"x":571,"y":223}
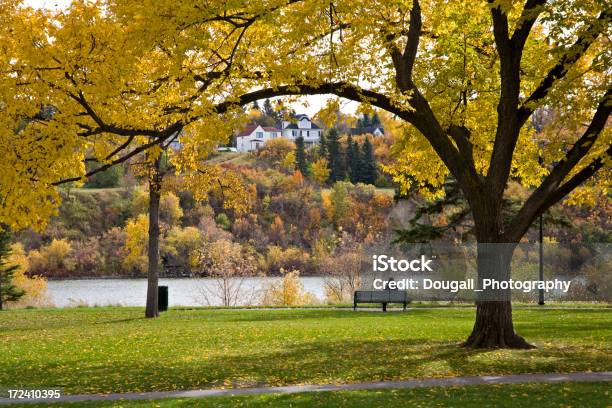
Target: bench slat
{"x":380,"y":296}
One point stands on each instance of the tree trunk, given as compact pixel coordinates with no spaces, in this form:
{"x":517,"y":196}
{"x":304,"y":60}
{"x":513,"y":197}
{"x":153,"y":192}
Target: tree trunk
{"x":153,"y":246}
{"x":493,"y":327}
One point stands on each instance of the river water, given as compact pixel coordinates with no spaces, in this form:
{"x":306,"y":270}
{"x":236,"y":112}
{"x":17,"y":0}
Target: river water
{"x":181,"y":292}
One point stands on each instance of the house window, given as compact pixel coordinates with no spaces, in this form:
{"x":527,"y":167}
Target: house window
{"x":294,"y":133}
{"x":273,"y":134}
{"x":260,"y":135}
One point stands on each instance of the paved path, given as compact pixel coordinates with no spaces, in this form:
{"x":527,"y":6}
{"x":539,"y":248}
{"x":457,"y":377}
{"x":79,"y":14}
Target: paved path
{"x":428,"y":382}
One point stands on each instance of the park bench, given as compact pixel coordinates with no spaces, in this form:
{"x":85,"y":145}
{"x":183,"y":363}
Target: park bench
{"x":380,"y":296}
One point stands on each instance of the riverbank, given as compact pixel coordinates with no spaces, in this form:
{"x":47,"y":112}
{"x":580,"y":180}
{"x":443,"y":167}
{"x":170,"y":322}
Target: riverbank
{"x":182,"y":292}
{"x":195,"y":292}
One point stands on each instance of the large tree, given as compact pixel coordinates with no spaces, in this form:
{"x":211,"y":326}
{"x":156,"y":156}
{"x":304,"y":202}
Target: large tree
{"x":466,"y":80}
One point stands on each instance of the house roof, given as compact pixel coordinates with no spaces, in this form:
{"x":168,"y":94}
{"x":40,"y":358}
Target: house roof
{"x":298,"y":118}
{"x":250,"y":128}
{"x":295,"y":126}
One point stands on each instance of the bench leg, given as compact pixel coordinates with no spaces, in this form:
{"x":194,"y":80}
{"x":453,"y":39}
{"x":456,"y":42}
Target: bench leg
{"x":355,"y":306}
{"x":384,"y":307}
{"x":404,"y":306}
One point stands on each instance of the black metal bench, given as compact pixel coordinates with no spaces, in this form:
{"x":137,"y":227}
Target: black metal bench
{"x":380,"y":296}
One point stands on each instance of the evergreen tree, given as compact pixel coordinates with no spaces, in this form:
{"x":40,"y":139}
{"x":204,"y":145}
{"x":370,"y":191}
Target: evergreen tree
{"x":8,"y":291}
{"x":375,"y":119}
{"x":364,"y":121}
{"x":336,"y":161}
{"x":301,"y":163}
{"x":352,"y":159}
{"x":323,"y":146}
{"x":356,"y":164}
{"x":267,"y":108}
{"x":369,"y":169}
{"x":268,"y":111}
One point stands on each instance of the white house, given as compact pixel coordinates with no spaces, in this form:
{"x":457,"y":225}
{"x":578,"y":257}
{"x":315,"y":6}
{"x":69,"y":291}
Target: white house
{"x":254,"y":136}
{"x":302,"y":127}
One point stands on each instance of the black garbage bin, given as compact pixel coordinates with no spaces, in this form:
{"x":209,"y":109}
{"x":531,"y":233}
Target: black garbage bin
{"x":162,"y":298}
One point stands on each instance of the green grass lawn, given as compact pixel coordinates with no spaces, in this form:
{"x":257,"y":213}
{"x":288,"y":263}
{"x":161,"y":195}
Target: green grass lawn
{"x":540,"y":395}
{"x":93,"y":350}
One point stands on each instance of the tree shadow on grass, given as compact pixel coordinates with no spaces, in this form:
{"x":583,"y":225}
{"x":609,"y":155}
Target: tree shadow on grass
{"x":319,"y":314}
{"x":314,"y":362}
{"x":569,"y":330}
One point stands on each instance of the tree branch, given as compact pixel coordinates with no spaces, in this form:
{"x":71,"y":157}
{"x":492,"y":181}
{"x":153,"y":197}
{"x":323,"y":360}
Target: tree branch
{"x":500,"y":28}
{"x":404,"y":62}
{"x":507,"y":131}
{"x":559,"y":71}
{"x":102,"y":126}
{"x":421,"y":117}
{"x":121,"y":159}
{"x":549,"y":191}
{"x":530,"y":14}
{"x":579,"y":178}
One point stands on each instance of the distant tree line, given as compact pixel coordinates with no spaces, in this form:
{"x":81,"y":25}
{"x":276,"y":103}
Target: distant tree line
{"x":351,"y":162}
{"x":267,"y":114}
{"x":366,"y":121}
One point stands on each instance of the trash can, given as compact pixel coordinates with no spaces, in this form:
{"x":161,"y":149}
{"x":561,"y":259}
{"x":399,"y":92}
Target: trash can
{"x":162,"y":298}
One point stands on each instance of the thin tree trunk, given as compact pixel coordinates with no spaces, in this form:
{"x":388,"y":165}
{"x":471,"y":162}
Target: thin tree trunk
{"x":153,"y":246}
{"x":493,"y":327}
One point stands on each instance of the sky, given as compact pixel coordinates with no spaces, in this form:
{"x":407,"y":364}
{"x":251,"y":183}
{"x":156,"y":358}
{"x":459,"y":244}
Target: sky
{"x":308,"y":105}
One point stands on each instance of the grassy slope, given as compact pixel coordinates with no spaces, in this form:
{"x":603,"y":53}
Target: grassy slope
{"x":84,"y":190}
{"x":115,"y":349}
{"x":382,"y":190}
{"x":524,"y":395}
{"x":230,"y":157}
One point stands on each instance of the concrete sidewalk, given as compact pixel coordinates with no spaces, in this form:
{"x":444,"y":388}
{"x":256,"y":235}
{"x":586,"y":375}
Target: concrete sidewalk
{"x":423,"y":383}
